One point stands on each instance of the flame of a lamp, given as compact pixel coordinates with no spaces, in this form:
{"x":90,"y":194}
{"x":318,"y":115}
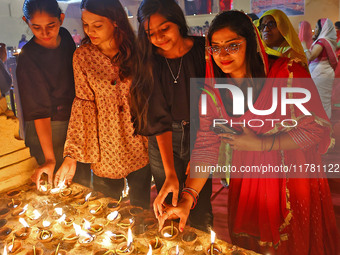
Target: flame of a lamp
{"x":62,"y":185}
{"x":36,"y":214}
{"x":177,"y":250}
{"x":43,"y":188}
{"x":112,"y":216}
{"x":24,"y":223}
{"x":213,"y":236}
{"x":87,"y":224}
{"x":46,"y":223}
{"x":88,"y":196}
{"x":150,"y":250}
{"x":10,"y":248}
{"x":62,"y":218}
{"x":167,"y":235}
{"x":107,"y":241}
{"x":5,"y":250}
{"x":129,"y":239}
{"x":19,"y":50}
{"x":77,"y":228}
{"x":59,"y":211}
{"x":25,"y":208}
{"x":109,"y":233}
{"x":55,"y":190}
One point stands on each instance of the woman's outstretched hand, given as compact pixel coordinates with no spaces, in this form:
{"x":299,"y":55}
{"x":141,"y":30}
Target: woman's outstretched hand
{"x":170,"y":185}
{"x":47,"y":168}
{"x":65,"y":172}
{"x":182,"y":212}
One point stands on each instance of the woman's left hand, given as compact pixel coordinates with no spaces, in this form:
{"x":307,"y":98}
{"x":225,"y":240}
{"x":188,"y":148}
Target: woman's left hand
{"x":247,"y":141}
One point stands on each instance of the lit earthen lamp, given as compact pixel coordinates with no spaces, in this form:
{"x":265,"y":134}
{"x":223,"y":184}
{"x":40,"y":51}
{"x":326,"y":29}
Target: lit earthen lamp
{"x":93,"y":195}
{"x":19,"y":212}
{"x":85,"y":239}
{"x":189,"y":237}
{"x":14,"y":246}
{"x":113,"y":217}
{"x":45,"y":236}
{"x":73,"y":237}
{"x":44,"y":189}
{"x":66,"y":222}
{"x":24,"y":232}
{"x":45,"y":224}
{"x":96,"y":208}
{"x":93,"y":228}
{"x":14,"y":203}
{"x":126,"y":247}
{"x":156,"y":245}
{"x":105,"y":244}
{"x":82,"y":203}
{"x":176,"y":250}
{"x":116,"y":237}
{"x":213,"y":248}
{"x":126,"y":223}
{"x":35,"y":251}
{"x":34,"y":217}
{"x":169,"y":232}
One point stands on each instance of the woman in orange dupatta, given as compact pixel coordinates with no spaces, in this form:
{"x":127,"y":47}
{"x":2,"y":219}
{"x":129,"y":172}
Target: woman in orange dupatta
{"x":271,"y":214}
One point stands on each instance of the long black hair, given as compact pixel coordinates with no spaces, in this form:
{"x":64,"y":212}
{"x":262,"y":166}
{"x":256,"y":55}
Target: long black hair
{"x":142,"y":85}
{"x":30,"y":7}
{"x":241,"y":24}
{"x":123,"y":34}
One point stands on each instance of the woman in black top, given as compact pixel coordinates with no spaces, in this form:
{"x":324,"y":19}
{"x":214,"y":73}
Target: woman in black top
{"x":46,"y":84}
{"x":161,"y":100}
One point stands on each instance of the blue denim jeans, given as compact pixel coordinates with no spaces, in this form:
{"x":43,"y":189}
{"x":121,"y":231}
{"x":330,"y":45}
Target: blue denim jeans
{"x":201,"y":216}
{"x":139,"y":186}
{"x":59,"y":132}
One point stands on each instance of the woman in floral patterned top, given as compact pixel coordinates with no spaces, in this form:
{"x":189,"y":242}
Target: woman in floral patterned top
{"x":100,"y":130}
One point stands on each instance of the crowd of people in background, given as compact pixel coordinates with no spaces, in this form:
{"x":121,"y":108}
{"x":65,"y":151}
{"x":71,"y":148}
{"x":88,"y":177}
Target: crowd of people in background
{"x":120,"y":104}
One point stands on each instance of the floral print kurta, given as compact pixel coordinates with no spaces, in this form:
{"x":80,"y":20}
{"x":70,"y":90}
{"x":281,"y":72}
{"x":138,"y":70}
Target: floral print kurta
{"x":100,"y":129}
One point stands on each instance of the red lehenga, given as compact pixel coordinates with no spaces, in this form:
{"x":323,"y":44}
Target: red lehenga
{"x":277,"y":215}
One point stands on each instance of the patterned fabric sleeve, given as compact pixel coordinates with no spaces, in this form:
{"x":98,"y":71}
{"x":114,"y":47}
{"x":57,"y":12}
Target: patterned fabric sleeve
{"x":82,"y":141}
{"x":308,"y":133}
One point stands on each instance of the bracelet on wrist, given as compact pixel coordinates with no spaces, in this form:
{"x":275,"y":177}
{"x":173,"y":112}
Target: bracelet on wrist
{"x":192,"y":195}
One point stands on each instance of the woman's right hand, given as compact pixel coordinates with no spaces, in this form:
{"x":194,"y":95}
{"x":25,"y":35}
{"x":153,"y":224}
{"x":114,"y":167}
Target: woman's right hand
{"x":47,"y":168}
{"x":66,"y":172}
{"x":181,"y":211}
{"x":170,"y":185}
